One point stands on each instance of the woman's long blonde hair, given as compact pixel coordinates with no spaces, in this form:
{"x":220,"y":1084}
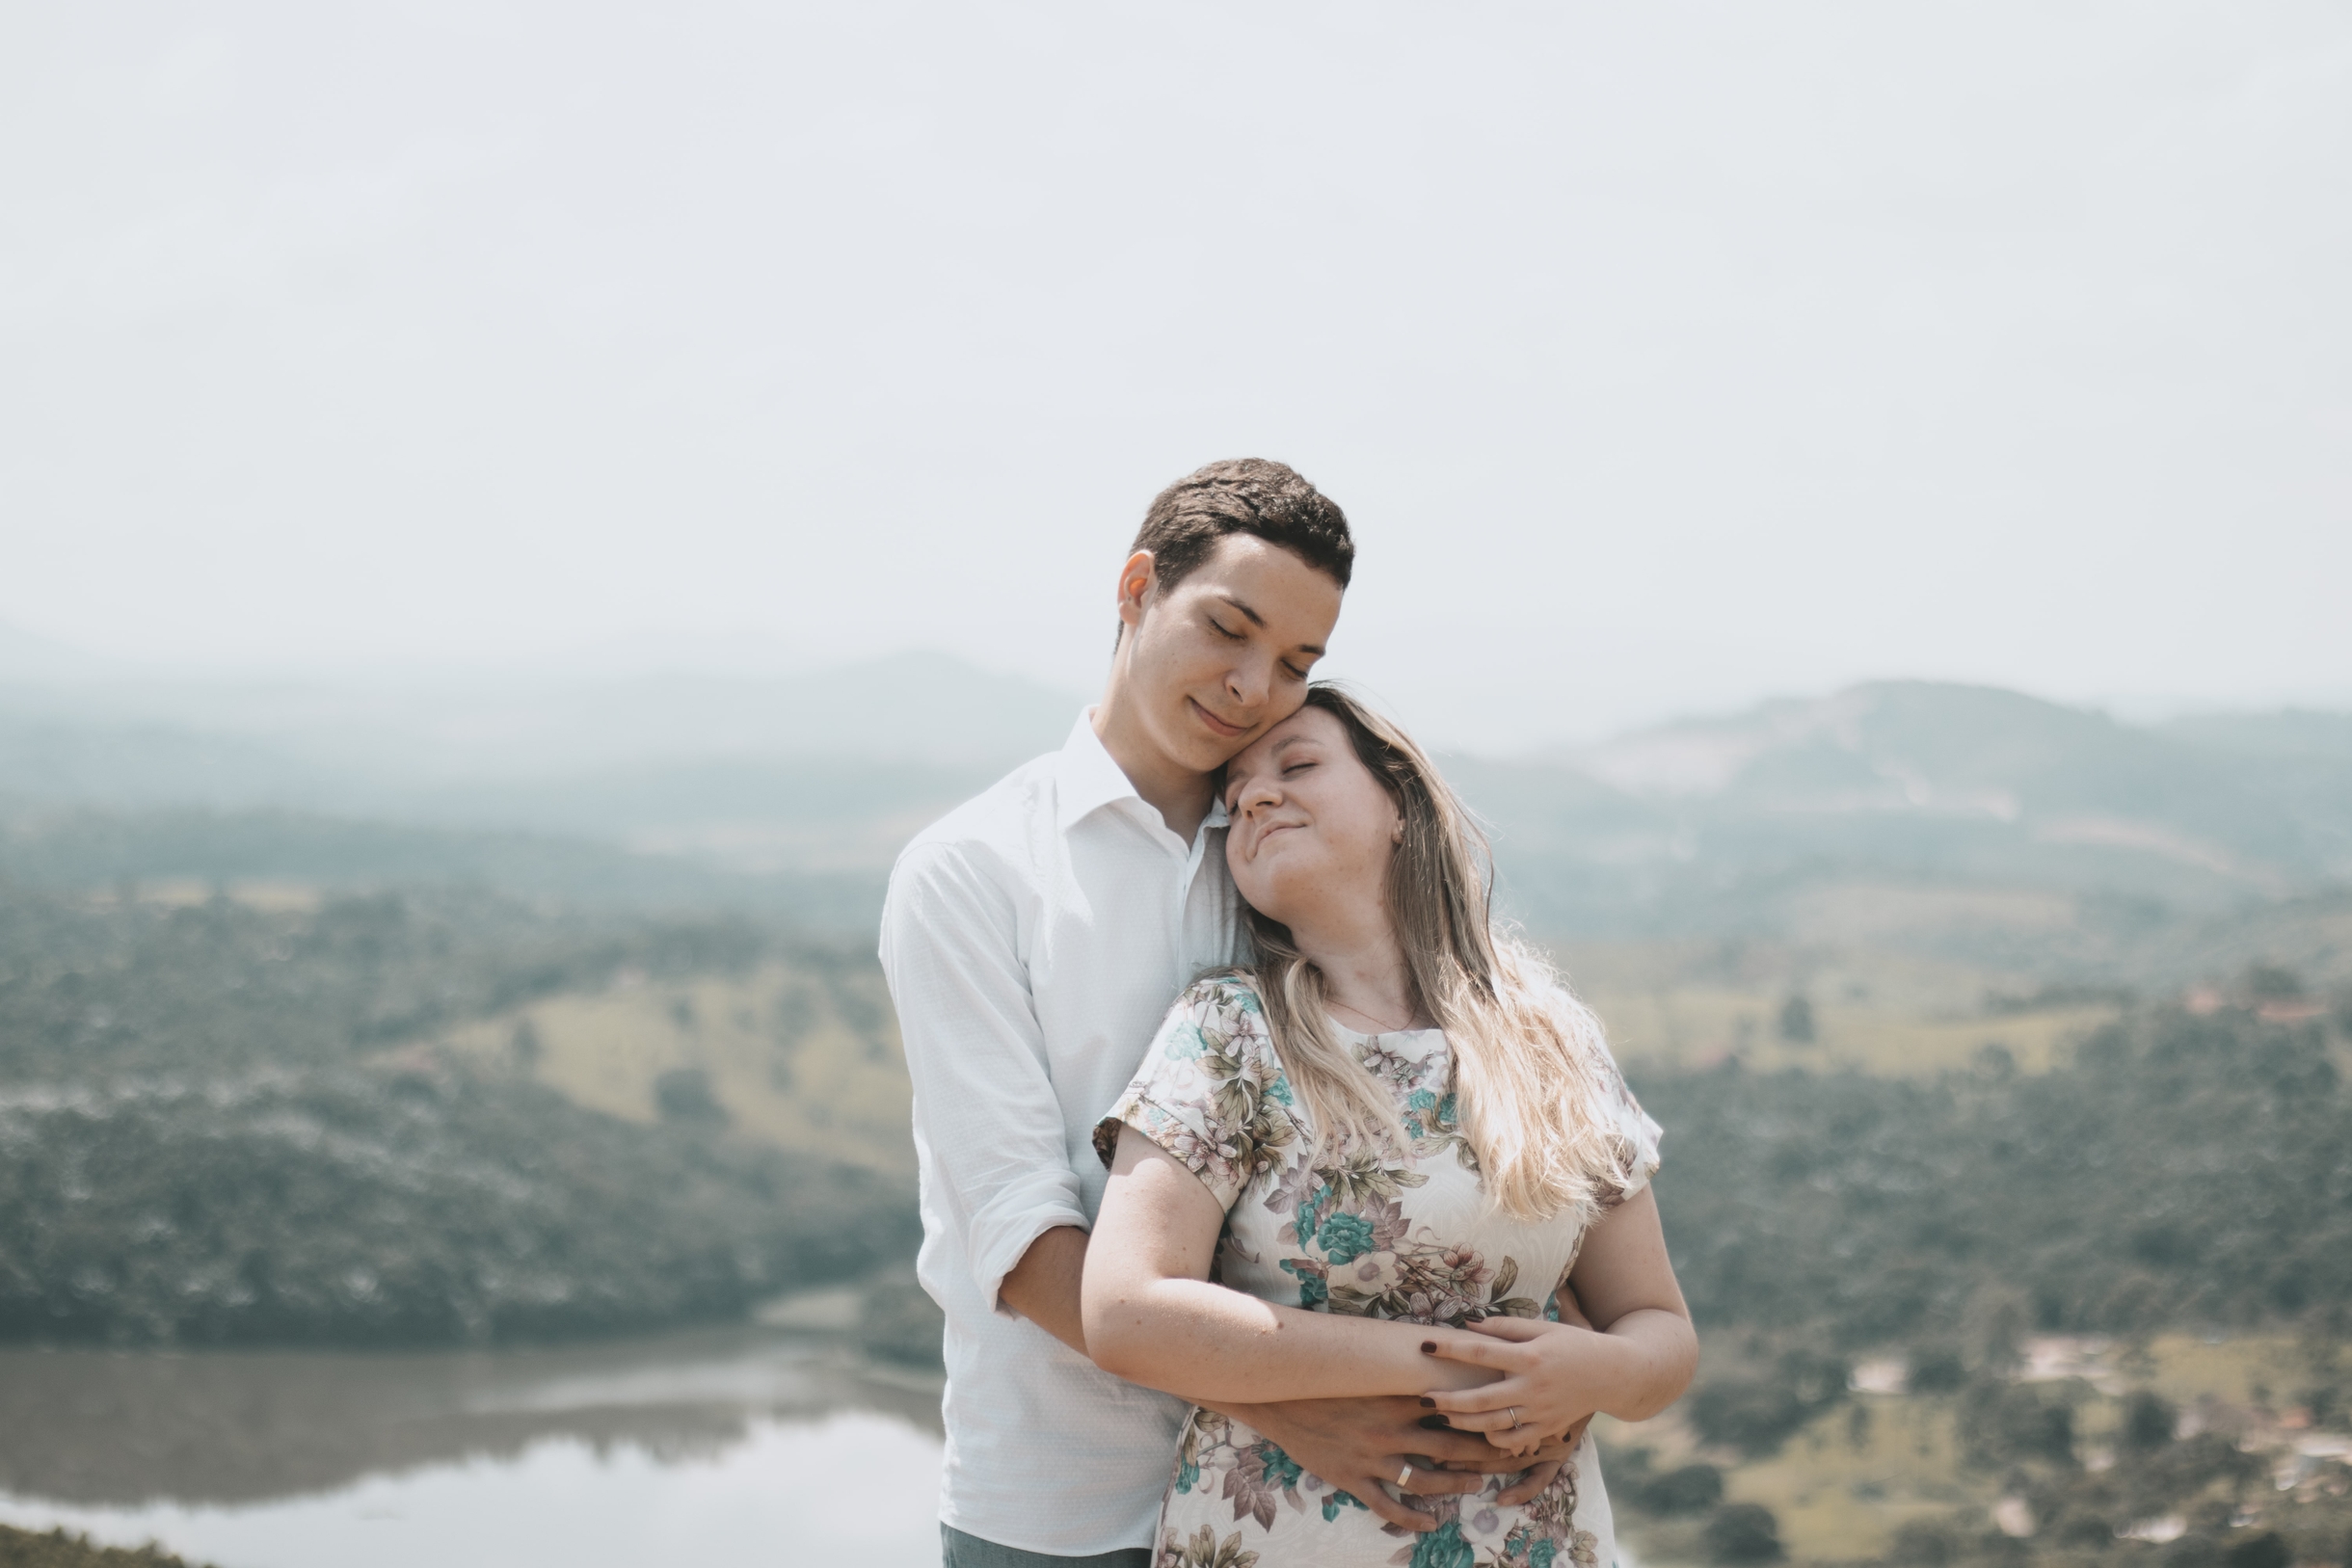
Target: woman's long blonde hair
{"x":1530,"y":1065}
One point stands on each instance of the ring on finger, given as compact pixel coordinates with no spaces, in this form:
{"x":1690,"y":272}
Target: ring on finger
{"x":1514,"y":1418}
{"x":1404,"y":1477}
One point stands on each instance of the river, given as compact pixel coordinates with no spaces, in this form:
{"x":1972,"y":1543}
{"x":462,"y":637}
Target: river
{"x":756,"y":1444}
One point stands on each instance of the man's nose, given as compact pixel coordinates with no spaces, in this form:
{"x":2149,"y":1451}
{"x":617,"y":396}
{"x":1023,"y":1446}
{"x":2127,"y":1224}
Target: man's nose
{"x":1248,"y":682}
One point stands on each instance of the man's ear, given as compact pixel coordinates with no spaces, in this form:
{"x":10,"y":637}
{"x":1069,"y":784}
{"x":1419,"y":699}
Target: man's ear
{"x":1136,"y":580}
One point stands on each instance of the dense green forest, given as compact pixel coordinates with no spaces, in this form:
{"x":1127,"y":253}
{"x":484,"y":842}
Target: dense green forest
{"x":55,"y":1548}
{"x":202,"y":1138}
{"x":123,"y":986}
{"x":2181,"y":1171}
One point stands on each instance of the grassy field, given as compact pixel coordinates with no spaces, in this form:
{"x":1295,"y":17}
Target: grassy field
{"x":804,"y":1055}
{"x":55,"y":1548}
{"x":1844,"y":1485}
{"x":1673,"y":1005}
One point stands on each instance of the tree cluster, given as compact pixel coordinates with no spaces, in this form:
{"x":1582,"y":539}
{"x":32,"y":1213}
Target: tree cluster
{"x":202,"y":1140}
{"x":2181,"y":1171}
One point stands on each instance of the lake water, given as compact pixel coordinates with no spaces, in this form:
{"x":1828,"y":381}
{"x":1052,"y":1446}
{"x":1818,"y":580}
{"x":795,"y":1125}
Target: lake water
{"x":749,"y":1446}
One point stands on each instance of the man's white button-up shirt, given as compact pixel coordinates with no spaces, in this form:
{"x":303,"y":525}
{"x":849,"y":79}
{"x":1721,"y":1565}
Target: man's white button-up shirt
{"x":1032,"y":939}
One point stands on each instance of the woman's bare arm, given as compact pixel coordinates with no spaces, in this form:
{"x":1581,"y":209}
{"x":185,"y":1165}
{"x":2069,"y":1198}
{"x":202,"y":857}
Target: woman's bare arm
{"x":1152,"y":1318}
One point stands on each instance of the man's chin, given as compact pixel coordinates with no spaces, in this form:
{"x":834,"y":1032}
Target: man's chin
{"x":1207,"y":750}
{"x":1204,"y":759}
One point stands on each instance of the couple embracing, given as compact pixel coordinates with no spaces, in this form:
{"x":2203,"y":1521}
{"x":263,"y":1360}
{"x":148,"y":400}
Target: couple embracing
{"x":1284,"y":1210}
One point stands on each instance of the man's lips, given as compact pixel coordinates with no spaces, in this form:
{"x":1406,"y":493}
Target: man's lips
{"x":1217,"y":725}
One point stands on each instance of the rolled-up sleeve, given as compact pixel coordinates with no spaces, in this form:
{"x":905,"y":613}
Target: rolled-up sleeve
{"x":985,"y":1110}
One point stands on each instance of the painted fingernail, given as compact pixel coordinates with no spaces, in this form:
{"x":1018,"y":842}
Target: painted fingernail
{"x":1434,"y":1423}
{"x":1427,"y":1403}
{"x":1428,"y":1347}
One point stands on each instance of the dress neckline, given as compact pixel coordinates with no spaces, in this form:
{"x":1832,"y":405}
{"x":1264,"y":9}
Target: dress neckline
{"x":1380,"y":1034}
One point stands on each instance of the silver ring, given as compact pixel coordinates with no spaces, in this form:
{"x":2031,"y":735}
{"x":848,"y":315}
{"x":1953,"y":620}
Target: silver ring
{"x":1404,"y":1477}
{"x":1514,"y":1418}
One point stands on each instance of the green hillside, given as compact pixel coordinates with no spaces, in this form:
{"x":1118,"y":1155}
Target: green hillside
{"x":2001,"y":1050}
{"x":55,"y":1548}
{"x":229,"y":1124}
{"x":309,"y":857}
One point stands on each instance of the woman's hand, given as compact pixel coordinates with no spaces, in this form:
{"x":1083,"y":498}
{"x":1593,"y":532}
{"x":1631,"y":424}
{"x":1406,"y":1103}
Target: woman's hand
{"x":1636,"y":1364}
{"x":1553,"y":1375}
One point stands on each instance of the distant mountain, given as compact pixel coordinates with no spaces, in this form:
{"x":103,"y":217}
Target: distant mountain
{"x":84,"y":849}
{"x":751,"y":814}
{"x":2288,"y":732}
{"x":1930,"y":753}
{"x":28,"y":658}
{"x":927,"y":709}
{"x":56,"y":760}
{"x":667,"y":788}
{"x":394,"y":736}
{"x":1718,"y":824}
{"x":1971,"y":817}
{"x":832,"y":766}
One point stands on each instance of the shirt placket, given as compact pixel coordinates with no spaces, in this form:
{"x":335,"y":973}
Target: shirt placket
{"x":1188,"y":888}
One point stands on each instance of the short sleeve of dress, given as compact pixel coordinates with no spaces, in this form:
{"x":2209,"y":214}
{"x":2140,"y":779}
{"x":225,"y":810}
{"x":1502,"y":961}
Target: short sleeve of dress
{"x":1635,"y":1134}
{"x":1632,"y":1134}
{"x":1209,"y":1091}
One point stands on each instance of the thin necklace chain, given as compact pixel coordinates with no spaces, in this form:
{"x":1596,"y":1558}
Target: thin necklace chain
{"x":1378,"y":1026}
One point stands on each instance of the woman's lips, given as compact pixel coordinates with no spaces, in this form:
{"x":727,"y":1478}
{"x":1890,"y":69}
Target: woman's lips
{"x":1217,"y":725}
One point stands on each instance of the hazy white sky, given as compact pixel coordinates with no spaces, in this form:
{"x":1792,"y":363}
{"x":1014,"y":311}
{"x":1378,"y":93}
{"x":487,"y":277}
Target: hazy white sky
{"x":1664,"y":355}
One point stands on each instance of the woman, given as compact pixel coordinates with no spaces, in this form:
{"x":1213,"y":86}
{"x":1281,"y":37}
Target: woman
{"x":1389,"y":1141}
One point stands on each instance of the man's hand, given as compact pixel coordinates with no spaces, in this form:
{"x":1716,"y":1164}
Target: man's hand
{"x":1359,"y":1445}
{"x":1543,"y":1466}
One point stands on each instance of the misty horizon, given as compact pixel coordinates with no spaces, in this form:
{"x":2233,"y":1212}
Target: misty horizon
{"x":37,"y":675}
{"x":1663,"y":361}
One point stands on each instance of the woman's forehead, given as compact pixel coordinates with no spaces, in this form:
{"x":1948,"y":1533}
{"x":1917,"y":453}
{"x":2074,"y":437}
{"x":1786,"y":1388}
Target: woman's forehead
{"x":1301,"y":726}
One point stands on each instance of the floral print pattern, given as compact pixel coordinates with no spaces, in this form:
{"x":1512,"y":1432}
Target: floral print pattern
{"x":1369,"y":1232}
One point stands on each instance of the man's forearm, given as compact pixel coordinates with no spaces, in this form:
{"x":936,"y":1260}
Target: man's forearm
{"x":1043,"y":1285}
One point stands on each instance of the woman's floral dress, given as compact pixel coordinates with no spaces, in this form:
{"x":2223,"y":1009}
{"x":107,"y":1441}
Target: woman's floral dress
{"x":1367,"y":1233}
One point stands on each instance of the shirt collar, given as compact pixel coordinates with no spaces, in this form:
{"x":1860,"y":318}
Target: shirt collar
{"x":1087,"y":778}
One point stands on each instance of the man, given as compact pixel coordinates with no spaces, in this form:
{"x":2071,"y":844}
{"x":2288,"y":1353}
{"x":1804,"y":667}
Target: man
{"x":1032,"y":939}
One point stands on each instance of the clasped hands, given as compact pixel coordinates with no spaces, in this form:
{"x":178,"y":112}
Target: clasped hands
{"x":1547,"y":1376}
{"x":1453,"y":1438}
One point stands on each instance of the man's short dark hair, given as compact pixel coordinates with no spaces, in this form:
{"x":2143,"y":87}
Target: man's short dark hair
{"x":1245,"y":495}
